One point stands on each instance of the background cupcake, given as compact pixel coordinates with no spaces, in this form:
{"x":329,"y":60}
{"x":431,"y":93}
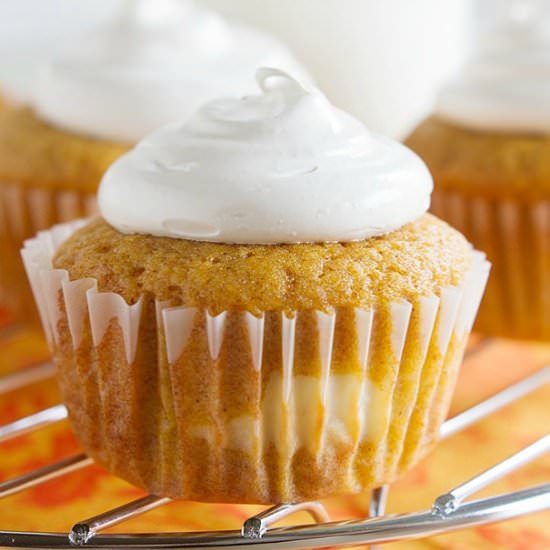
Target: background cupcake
{"x":488,"y":147}
{"x":233,"y":332}
{"x":30,"y":33}
{"x":154,"y":62}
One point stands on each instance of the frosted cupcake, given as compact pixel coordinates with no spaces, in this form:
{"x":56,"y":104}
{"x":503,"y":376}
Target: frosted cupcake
{"x":154,"y":63}
{"x":264,"y":312}
{"x":488,"y":147}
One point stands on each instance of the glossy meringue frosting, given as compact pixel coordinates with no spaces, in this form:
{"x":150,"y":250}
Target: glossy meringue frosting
{"x":505,"y":87}
{"x":284,"y":166}
{"x":156,"y":62}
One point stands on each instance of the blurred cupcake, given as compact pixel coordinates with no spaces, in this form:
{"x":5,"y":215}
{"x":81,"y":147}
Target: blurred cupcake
{"x":264,"y":313}
{"x":488,"y":147}
{"x":155,"y":62}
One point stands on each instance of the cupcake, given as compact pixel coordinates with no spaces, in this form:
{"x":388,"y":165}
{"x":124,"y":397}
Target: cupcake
{"x":153,"y":63}
{"x":488,"y":148}
{"x":264,"y":312}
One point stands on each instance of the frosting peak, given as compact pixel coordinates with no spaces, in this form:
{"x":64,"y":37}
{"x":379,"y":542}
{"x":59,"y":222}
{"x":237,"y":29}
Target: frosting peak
{"x":284,"y":166}
{"x":155,"y":62}
{"x":506,"y":84}
{"x":285,"y":113}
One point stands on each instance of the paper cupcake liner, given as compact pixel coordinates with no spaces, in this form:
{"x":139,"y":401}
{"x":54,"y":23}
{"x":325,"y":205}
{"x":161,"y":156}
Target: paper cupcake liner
{"x":23,"y":212}
{"x":516,"y":238}
{"x":243,"y":408}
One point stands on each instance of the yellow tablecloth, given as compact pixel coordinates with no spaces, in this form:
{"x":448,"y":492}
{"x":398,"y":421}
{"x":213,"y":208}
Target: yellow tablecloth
{"x":490,"y":366}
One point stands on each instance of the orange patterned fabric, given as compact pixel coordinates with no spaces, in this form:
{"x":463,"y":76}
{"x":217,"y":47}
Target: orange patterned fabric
{"x":490,"y":366}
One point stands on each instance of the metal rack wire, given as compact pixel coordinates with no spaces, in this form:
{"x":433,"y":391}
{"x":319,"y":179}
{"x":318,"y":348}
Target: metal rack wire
{"x":449,"y":512}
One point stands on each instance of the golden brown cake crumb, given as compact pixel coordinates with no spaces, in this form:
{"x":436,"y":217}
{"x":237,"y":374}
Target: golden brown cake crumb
{"x":484,"y":163}
{"x":418,"y":259}
{"x":36,"y":154}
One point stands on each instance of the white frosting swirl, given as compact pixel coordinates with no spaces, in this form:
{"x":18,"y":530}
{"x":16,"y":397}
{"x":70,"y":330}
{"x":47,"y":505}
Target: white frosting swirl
{"x":506,"y":85}
{"x":281,"y":167}
{"x":156,"y":62}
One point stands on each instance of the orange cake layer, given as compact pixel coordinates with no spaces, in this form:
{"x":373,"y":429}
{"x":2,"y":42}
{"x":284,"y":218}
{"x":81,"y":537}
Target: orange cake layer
{"x":416,"y":260}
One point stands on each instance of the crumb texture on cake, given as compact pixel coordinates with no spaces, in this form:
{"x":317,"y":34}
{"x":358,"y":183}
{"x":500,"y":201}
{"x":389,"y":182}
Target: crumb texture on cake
{"x":36,"y":154}
{"x":484,"y":163}
{"x":416,"y":260}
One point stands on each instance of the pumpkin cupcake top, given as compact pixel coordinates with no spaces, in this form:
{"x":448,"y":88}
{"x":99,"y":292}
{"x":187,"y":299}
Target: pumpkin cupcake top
{"x":277,"y":201}
{"x":416,"y":260}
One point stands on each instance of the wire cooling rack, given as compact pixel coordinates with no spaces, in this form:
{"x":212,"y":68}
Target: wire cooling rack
{"x":450,"y":511}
